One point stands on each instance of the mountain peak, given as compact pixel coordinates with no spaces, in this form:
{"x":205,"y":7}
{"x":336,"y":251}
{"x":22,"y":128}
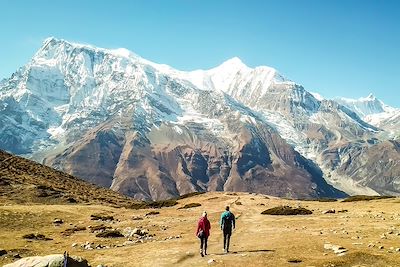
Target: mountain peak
{"x":233,"y":63}
{"x":53,"y":45}
{"x":370,"y":97}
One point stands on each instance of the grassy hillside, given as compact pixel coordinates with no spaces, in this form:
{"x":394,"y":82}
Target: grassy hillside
{"x":25,"y":181}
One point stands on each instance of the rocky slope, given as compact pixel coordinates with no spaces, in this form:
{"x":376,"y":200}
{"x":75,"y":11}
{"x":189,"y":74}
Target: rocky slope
{"x":153,"y":132}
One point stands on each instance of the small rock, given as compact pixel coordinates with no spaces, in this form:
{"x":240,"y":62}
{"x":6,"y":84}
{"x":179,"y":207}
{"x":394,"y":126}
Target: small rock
{"x":397,"y":249}
{"x":210,"y":261}
{"x":128,"y":243}
{"x":381,"y":247}
{"x":58,"y":221}
{"x":3,"y":252}
{"x":328,"y":211}
{"x":136,"y":231}
{"x":144,"y":232}
{"x":74,"y":245}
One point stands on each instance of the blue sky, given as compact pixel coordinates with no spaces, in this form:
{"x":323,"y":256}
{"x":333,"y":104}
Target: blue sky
{"x":336,"y":48}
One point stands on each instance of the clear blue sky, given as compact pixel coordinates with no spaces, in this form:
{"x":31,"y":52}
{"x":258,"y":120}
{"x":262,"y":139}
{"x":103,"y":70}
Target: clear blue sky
{"x":337,"y":48}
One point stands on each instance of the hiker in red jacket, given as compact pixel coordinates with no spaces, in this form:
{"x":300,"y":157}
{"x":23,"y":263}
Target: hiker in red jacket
{"x":203,"y":232}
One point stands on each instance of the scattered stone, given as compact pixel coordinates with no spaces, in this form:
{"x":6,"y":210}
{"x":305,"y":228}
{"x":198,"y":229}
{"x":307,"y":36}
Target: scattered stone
{"x":58,"y":221}
{"x":381,"y":247}
{"x":74,"y":245}
{"x":128,"y":243}
{"x":56,"y":260}
{"x":371,"y":245}
{"x":339,"y":250}
{"x":3,"y":252}
{"x":211,"y":261}
{"x":342,"y":211}
{"x":136,"y":218}
{"x":397,"y":249}
{"x":329,"y":211}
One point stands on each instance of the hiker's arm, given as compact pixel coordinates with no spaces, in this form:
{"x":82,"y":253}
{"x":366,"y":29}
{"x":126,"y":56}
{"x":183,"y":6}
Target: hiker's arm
{"x":233,"y":221}
{"x":221,"y":222}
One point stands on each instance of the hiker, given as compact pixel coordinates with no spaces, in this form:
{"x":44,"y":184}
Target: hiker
{"x":203,"y":232}
{"x":227,"y":225}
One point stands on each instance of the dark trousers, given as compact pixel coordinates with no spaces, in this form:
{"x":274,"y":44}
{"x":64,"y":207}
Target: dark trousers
{"x":203,"y":244}
{"x":227,"y":237}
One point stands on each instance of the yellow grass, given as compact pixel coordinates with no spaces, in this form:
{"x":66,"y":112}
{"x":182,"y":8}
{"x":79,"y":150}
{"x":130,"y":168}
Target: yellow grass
{"x":259,"y":240}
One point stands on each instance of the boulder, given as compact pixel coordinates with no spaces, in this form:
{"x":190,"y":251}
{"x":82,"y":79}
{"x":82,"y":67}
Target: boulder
{"x":56,"y":260}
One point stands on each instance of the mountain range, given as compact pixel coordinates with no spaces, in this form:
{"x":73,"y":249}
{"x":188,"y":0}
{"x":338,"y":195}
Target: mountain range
{"x":153,"y":132}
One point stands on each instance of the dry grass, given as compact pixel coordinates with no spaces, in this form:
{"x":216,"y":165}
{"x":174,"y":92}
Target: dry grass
{"x":25,"y":181}
{"x":258,"y":240}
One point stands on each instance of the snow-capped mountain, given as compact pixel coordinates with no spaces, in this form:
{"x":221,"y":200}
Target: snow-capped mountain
{"x":153,"y":132}
{"x":375,"y":112}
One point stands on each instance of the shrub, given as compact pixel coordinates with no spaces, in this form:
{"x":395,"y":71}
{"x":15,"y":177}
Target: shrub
{"x":162,"y":203}
{"x":190,"y":205}
{"x":286,"y":210}
{"x":102,"y":217}
{"x":365,"y":198}
{"x":36,"y":237}
{"x":152,"y":213}
{"x":109,"y":234}
{"x":70,"y":231}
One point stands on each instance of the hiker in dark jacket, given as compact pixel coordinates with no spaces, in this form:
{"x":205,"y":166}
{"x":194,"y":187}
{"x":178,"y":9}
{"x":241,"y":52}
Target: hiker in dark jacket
{"x":227,"y":225}
{"x":203,"y":232}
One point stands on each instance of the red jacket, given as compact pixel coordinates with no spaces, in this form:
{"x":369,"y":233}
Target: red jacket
{"x":204,"y":224}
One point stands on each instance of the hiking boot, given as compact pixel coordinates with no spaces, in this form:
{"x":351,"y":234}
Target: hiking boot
{"x":201,"y":253}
